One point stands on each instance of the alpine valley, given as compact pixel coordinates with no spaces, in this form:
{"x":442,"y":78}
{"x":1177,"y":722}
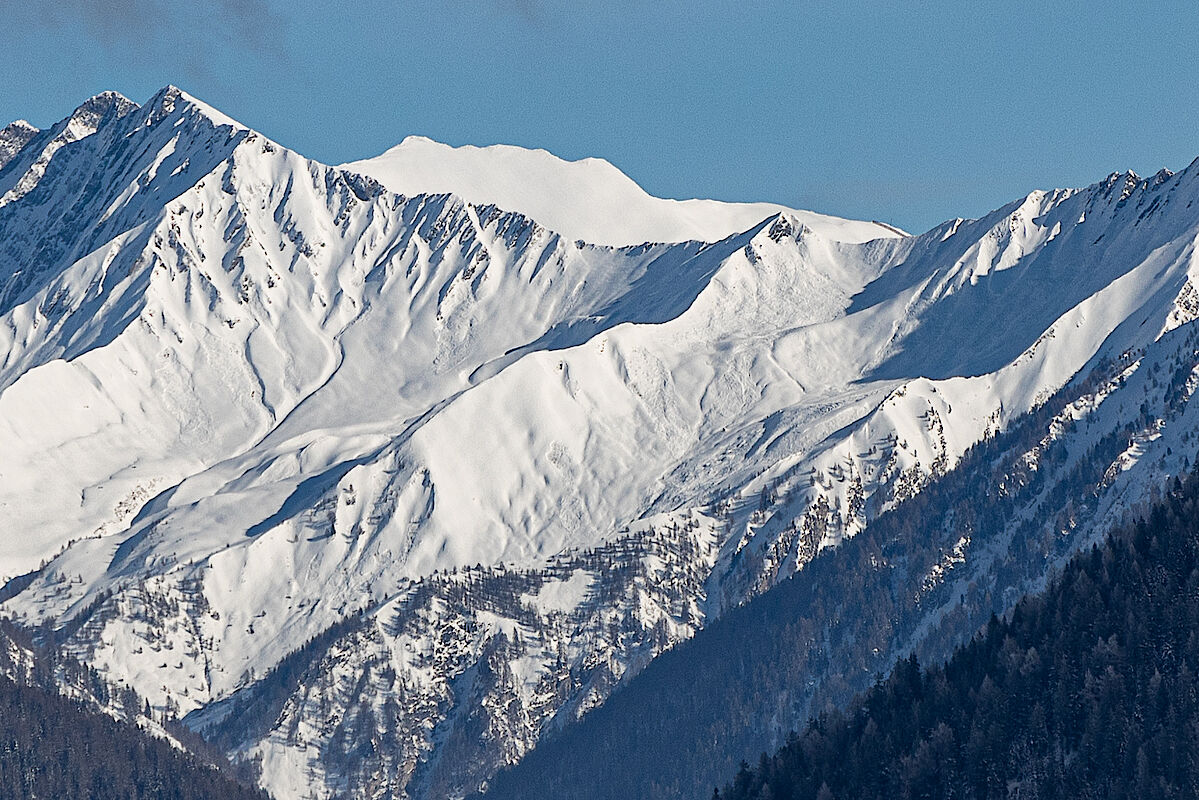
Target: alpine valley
{"x":382,"y":476}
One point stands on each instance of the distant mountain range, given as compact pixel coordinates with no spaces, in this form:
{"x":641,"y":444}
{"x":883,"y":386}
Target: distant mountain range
{"x":382,"y":474}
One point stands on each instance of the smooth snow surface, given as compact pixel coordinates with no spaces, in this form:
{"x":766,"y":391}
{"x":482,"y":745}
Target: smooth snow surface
{"x":589,"y":199}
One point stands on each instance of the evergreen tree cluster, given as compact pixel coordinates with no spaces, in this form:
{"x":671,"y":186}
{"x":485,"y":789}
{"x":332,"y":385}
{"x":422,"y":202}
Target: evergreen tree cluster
{"x":52,"y":746}
{"x":66,"y":731}
{"x":1088,"y":690}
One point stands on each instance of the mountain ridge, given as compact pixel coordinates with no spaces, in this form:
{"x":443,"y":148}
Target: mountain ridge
{"x":247,"y":398}
{"x":588,"y":199}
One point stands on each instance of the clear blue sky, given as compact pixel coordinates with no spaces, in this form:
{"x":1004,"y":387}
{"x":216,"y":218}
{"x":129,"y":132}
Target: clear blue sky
{"x":906,"y":112}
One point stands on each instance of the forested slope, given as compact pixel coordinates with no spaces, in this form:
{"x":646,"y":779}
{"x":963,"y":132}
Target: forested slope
{"x":51,"y":746}
{"x":1087,"y":690}
{"x":65,"y":732}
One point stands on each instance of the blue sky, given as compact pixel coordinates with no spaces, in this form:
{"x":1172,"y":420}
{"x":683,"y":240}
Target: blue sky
{"x":906,"y":112}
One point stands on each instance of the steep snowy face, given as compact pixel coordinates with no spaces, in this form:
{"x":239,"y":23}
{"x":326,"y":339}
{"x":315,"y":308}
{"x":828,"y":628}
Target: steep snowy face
{"x":589,"y":199}
{"x":18,"y":175}
{"x":79,"y":267}
{"x":248,"y":400}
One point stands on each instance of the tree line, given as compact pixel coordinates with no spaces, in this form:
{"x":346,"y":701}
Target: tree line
{"x":1087,"y":690}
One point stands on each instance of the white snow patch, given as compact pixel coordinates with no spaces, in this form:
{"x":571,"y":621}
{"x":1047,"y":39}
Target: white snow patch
{"x":562,"y":596}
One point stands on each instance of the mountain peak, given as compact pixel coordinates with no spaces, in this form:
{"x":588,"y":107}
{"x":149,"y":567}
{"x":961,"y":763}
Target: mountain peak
{"x":785,"y":225}
{"x":170,"y":97}
{"x":93,"y":111}
{"x":13,"y":139}
{"x":25,"y":151}
{"x":19,"y":125}
{"x":107,"y":99}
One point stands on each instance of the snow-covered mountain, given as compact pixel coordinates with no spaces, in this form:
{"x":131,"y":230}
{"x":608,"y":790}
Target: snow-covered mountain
{"x":589,"y":200}
{"x":381,"y":485}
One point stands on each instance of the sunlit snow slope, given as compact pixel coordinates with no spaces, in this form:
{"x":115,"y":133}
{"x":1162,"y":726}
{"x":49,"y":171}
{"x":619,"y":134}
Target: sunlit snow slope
{"x":247,"y":399}
{"x":589,"y":199}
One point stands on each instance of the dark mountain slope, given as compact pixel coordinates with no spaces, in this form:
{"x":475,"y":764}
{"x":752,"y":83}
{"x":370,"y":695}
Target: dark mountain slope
{"x":51,"y":746}
{"x":1088,"y":690}
{"x":84,"y":743}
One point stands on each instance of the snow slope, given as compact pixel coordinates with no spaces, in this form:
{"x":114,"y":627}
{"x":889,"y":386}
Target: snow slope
{"x":590,"y":199}
{"x":252,"y":406}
